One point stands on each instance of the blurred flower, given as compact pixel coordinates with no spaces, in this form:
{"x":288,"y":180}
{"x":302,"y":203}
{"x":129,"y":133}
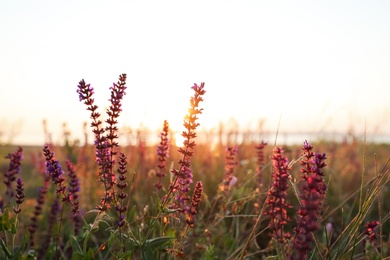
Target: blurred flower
{"x":233,"y":181}
{"x":329,"y":229}
{"x":196,"y":198}
{"x":74,"y":189}
{"x":15,"y":160}
{"x":19,"y":194}
{"x":260,"y":161}
{"x":371,"y":235}
{"x":122,"y":185}
{"x":277,"y":194}
{"x":230,"y":166}
{"x":54,"y":168}
{"x":162,"y":154}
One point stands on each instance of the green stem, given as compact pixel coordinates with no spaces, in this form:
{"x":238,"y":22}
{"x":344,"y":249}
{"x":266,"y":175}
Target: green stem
{"x":59,"y":230}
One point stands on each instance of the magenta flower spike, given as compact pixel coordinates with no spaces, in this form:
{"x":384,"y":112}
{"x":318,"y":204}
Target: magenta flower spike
{"x":277,"y":194}
{"x":312,"y":195}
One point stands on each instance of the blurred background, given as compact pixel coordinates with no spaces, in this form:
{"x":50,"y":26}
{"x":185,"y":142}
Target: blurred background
{"x":301,"y":69}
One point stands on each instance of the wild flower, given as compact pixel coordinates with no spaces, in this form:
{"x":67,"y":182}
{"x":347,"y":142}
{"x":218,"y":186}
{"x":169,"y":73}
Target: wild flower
{"x":260,"y":162}
{"x":74,"y":189}
{"x":117,"y":94}
{"x":312,"y":195}
{"x":10,"y":176}
{"x":277,"y":204}
{"x":54,"y":168}
{"x":86,"y":92}
{"x":183,"y":175}
{"x":105,"y":144}
{"x":371,"y":227}
{"x":162,"y":154}
{"x":230,"y":166}
{"x":120,"y":207}
{"x":196,"y":198}
{"x":19,"y":195}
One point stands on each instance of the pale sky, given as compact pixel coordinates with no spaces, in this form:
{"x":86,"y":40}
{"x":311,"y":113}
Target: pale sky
{"x":322,"y":65}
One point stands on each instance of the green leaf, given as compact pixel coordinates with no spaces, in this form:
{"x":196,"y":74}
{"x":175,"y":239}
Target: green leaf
{"x":75,"y":246}
{"x":13,"y":228}
{"x":147,"y":253}
{"x":112,"y":238}
{"x":134,"y":243}
{"x":4,"y":246}
{"x":157,"y":199}
{"x":154,"y":243}
{"x":24,"y":244}
{"x":90,"y":254}
{"x":4,"y":221}
{"x":131,"y":214}
{"x":166,"y":210}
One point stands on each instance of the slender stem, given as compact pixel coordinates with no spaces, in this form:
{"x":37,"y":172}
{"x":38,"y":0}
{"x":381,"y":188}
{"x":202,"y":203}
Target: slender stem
{"x":379,"y":206}
{"x":59,"y":229}
{"x":184,"y":233}
{"x":16,"y":228}
{"x":252,"y":231}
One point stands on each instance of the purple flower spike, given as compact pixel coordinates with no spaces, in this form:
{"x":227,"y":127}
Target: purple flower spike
{"x":85,"y":92}
{"x":162,"y":154}
{"x":54,"y":168}
{"x":196,"y":198}
{"x":230,"y":166}
{"x":13,"y":170}
{"x":19,"y":194}
{"x":105,"y":137}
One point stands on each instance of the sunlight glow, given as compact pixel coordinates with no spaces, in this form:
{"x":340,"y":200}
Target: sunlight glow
{"x":323,"y":66}
{"x":179,"y":139}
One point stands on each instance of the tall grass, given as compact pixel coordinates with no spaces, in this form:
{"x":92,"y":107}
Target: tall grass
{"x":230,"y":201}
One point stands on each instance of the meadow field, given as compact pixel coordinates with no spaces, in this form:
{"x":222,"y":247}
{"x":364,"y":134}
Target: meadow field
{"x":228,"y":199}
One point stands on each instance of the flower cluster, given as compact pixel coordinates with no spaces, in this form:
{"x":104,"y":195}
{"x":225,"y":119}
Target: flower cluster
{"x":312,"y":196}
{"x":13,"y":171}
{"x":86,"y":92}
{"x":230,"y":166}
{"x":54,"y":168}
{"x":196,"y":198}
{"x":183,"y":175}
{"x":121,"y":208}
{"x":260,"y":161}
{"x":117,"y":94}
{"x":162,"y":154}
{"x":19,"y":194}
{"x":277,"y":194}
{"x":74,"y":189}
{"x":371,"y":234}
